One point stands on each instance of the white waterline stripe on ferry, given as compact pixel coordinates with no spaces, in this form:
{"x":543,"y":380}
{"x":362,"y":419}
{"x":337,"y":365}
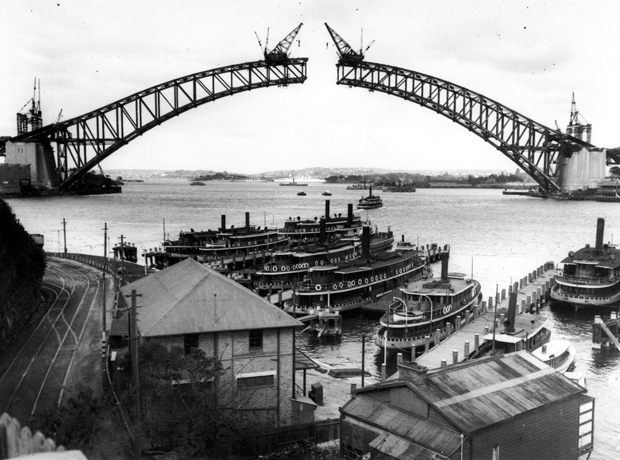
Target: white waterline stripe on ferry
{"x":496,"y":387}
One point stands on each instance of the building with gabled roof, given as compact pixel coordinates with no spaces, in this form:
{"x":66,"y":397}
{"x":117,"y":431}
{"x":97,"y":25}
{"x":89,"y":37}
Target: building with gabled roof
{"x":510,"y":406}
{"x":192,"y":306}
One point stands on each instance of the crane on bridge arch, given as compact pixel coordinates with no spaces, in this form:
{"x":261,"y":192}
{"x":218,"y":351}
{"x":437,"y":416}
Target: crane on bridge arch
{"x":534,"y":147}
{"x":83,"y":142}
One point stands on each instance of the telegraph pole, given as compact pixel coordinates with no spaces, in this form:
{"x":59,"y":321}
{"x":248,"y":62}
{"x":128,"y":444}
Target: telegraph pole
{"x":122,"y":255}
{"x":135,"y":369}
{"x":64,"y":232}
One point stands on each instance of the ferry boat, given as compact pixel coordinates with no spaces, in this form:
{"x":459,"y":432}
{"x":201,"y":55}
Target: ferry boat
{"x":228,"y":247}
{"x":288,"y":267}
{"x":308,"y":231}
{"x":370,"y":202}
{"x":293,"y":184}
{"x":559,"y":354}
{"x":530,"y":332}
{"x":351,"y":285}
{"x":424,"y":306}
{"x":590,"y":277}
{"x":608,"y":191}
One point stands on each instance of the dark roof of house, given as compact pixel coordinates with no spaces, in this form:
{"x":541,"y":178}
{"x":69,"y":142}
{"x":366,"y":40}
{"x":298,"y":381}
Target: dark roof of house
{"x":432,"y":438}
{"x":191,"y":298}
{"x":490,"y":390}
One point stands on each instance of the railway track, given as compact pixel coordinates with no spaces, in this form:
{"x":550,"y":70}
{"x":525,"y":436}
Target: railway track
{"x":39,"y":369}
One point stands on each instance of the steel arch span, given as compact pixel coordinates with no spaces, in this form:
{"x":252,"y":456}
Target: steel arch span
{"x":531,"y":145}
{"x":84,"y":141}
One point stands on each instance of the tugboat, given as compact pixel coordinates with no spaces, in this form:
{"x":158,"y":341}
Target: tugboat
{"x":326,"y":193}
{"x":426,"y":305}
{"x":590,"y":276}
{"x":370,"y":202}
{"x":301,"y":194}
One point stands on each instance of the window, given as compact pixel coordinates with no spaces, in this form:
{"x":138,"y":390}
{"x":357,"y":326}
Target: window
{"x":496,"y":452}
{"x":190,"y":341}
{"x":256,"y":340}
{"x":255,"y":381}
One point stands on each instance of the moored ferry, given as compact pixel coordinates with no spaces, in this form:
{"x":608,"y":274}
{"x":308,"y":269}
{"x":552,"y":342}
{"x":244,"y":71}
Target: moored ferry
{"x":607,"y":190}
{"x":426,"y":305}
{"x":227,"y":246}
{"x":370,"y":202}
{"x":590,"y":277}
{"x":351,"y":285}
{"x":326,"y":228}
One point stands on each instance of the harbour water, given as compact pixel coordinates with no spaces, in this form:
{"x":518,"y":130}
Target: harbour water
{"x":497,"y":238}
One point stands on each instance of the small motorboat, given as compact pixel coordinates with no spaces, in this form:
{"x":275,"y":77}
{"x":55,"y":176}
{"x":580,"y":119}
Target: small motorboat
{"x":326,"y":193}
{"x":558,"y":354}
{"x":301,"y":194}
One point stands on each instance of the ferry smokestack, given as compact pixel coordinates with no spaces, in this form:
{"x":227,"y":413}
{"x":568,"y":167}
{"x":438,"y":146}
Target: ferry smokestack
{"x":326,"y":209}
{"x":223,"y":222}
{"x":600,"y":229}
{"x":350,"y":214}
{"x":511,"y":315}
{"x":322,"y":231}
{"x":370,"y":190}
{"x":444,"y":266}
{"x":247,"y":221}
{"x":366,"y":241}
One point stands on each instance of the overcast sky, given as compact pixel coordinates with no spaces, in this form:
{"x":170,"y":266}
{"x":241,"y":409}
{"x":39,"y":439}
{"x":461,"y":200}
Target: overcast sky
{"x":530,"y":56}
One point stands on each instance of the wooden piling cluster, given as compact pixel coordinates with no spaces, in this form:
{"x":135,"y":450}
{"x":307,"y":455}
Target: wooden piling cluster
{"x":606,"y":332}
{"x":466,"y":339}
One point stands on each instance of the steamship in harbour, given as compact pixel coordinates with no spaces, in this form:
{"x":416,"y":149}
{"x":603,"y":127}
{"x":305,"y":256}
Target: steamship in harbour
{"x":349,"y":286}
{"x":590,"y":277}
{"x":424,"y":306}
{"x":226,"y":247}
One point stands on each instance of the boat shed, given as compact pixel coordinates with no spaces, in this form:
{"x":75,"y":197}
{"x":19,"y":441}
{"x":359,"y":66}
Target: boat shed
{"x":510,"y":406}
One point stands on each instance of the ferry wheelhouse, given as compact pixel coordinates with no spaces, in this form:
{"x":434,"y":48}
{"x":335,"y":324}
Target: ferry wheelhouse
{"x":230,"y":247}
{"x":426,"y":305}
{"x":351,"y":285}
{"x":590,"y":277}
{"x":370,"y":202}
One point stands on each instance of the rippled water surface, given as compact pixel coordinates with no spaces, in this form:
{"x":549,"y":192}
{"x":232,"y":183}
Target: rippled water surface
{"x":498,"y":238}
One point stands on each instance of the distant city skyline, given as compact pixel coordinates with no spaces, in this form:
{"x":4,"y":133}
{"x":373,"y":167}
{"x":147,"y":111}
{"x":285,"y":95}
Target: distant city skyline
{"x":88,"y":55}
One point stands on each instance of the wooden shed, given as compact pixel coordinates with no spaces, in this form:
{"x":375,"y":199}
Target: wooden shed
{"x":511,"y":406}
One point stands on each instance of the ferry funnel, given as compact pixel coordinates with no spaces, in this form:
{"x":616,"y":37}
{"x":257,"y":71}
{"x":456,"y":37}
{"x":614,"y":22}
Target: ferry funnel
{"x":444,"y":266}
{"x":247,"y":222}
{"x":366,"y":241}
{"x":223,"y":223}
{"x":350,"y":214}
{"x":600,"y":229}
{"x":326,"y":209}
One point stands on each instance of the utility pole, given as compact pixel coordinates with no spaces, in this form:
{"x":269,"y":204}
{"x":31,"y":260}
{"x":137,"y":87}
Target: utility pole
{"x":122,"y":255}
{"x":105,"y":246}
{"x":64,"y":232}
{"x":135,"y":368}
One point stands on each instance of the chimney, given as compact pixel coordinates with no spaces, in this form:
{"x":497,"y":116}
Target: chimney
{"x":410,"y":371}
{"x":247,"y":222}
{"x":600,"y":229}
{"x":322,"y":231}
{"x":444,"y":266}
{"x":223,"y":223}
{"x":366,"y":241}
{"x":511,"y":315}
{"x":350,"y":214}
{"x":326,"y":209}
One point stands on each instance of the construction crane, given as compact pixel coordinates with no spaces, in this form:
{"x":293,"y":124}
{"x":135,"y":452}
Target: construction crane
{"x":345,"y":51}
{"x":575,"y":127}
{"x":280,"y":52}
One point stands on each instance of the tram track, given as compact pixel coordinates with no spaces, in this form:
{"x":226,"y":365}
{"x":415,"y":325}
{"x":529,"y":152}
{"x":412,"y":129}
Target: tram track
{"x":34,"y":378}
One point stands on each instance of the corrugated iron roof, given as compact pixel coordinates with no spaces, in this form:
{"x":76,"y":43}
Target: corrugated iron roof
{"x":428,"y":434}
{"x":189,"y":298}
{"x":489,"y":390}
{"x":390,"y":446}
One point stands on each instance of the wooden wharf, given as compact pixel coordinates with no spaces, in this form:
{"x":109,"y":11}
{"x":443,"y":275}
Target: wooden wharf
{"x":465,"y":338}
{"x":606,"y":332}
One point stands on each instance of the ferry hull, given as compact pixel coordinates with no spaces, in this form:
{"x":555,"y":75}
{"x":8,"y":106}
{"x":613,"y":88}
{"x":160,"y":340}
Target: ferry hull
{"x":583,"y":301}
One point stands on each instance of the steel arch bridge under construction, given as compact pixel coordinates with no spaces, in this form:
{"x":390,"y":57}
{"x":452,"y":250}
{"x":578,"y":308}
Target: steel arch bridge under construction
{"x":83,"y":142}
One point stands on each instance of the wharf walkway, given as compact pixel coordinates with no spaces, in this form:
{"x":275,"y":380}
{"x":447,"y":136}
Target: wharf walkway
{"x":459,"y":346}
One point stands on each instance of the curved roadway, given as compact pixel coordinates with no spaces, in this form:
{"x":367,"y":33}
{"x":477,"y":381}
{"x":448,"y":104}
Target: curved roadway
{"x":59,"y":352}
